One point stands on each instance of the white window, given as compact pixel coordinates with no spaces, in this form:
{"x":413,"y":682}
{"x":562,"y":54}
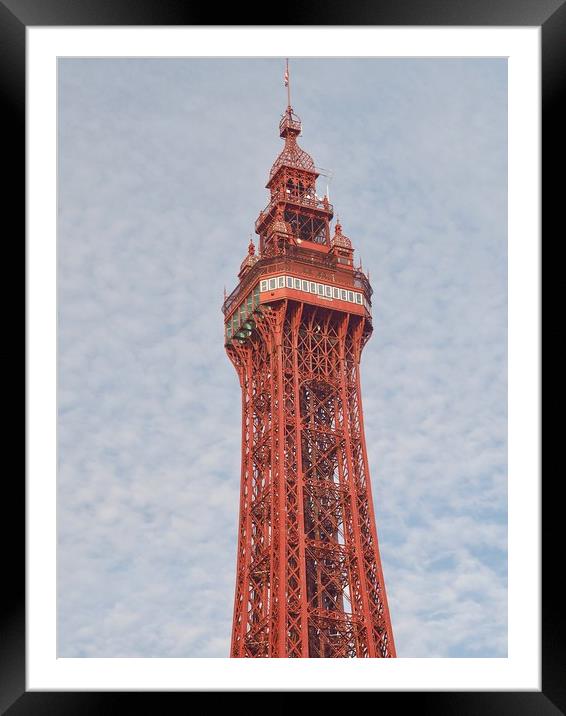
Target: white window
{"x":313,"y":287}
{"x":350,"y":296}
{"x":359,"y":298}
{"x":298,"y":284}
{"x":272,"y":283}
{"x":320,"y":289}
{"x":263,"y":286}
{"x":343,"y":295}
{"x":281,"y":280}
{"x":336,"y":293}
{"x":289,"y":282}
{"x":328,"y":291}
{"x":305,"y":286}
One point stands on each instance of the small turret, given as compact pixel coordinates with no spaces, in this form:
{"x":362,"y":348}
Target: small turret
{"x":249,"y":261}
{"x":341,"y":247}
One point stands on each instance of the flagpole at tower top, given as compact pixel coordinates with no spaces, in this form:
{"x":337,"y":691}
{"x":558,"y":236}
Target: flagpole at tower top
{"x":287,"y":83}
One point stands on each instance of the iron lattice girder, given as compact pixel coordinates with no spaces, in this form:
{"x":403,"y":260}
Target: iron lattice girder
{"x":309,"y":579}
{"x":312,"y":207}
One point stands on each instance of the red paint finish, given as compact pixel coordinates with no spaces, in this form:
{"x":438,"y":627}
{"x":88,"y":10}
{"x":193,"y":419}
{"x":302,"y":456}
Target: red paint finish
{"x":309,"y":579}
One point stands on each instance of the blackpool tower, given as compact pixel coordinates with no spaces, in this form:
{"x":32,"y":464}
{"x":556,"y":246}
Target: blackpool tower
{"x":309,"y":579}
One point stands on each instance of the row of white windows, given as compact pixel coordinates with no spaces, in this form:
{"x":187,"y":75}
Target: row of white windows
{"x":318,"y":289}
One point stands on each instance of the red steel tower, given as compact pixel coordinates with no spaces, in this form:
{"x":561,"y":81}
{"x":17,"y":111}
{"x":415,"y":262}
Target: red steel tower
{"x":309,"y":578}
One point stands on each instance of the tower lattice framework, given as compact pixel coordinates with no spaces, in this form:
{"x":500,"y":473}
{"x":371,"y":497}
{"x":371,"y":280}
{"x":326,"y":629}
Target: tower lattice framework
{"x":309,"y":578}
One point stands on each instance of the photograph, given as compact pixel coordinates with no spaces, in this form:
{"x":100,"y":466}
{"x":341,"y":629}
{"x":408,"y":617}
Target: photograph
{"x":282,"y":330}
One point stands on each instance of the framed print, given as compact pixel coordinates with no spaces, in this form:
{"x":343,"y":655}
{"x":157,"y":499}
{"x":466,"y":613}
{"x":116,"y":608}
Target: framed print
{"x":145,"y":133}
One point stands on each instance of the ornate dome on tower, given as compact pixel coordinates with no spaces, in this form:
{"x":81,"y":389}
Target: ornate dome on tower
{"x":279,"y":224}
{"x":249,"y":260}
{"x":339,"y":239}
{"x":291,"y":155}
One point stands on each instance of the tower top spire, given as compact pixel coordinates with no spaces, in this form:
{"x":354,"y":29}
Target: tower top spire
{"x":290,"y":124}
{"x":287,"y":81}
{"x":289,"y":129}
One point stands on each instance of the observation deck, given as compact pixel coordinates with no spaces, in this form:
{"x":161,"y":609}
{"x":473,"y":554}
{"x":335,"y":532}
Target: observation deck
{"x":318,"y":268}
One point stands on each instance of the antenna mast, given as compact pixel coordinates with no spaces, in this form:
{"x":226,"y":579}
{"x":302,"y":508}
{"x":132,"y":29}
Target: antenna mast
{"x":288,"y":83}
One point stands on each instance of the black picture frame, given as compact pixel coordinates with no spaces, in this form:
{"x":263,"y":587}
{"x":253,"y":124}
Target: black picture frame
{"x":15,"y":16}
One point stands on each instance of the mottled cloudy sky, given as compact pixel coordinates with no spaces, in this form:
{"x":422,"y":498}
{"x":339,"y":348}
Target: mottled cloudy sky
{"x":162,"y":167}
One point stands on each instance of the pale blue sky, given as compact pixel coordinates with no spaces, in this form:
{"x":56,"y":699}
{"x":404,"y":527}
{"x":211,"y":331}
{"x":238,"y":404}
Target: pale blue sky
{"x":162,"y":168}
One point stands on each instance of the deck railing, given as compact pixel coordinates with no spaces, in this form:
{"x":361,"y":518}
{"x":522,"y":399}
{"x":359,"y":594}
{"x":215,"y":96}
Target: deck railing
{"x":310,"y":200}
{"x":294,"y":259}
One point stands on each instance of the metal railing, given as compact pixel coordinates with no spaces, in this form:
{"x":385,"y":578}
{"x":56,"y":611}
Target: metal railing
{"x":311,"y":201}
{"x":288,"y":263}
{"x":287,"y":121}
